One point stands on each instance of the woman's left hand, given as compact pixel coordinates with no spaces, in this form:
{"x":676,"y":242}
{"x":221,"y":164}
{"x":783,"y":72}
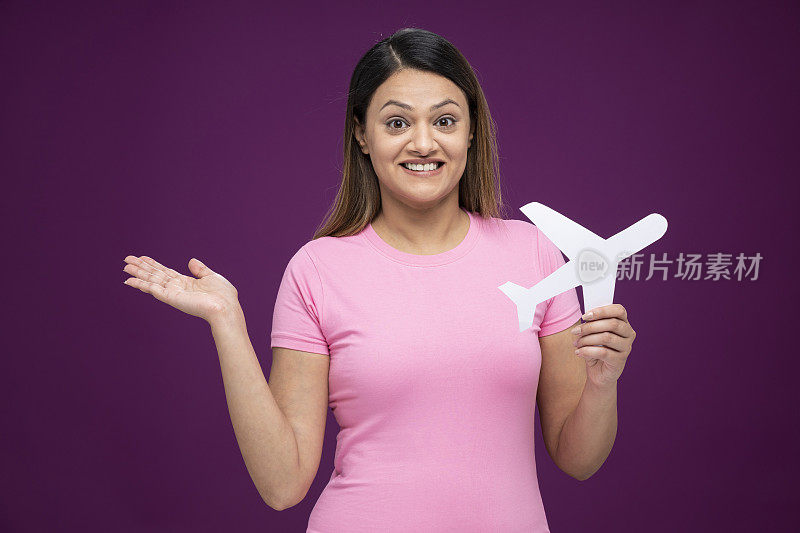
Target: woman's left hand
{"x":604,"y":340}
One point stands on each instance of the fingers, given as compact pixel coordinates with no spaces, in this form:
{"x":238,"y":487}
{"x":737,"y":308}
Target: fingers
{"x":606,"y":332}
{"x":153,"y":264}
{"x":198,"y":268}
{"x":603,"y":339}
{"x":614,"y":325}
{"x":147,"y":273}
{"x":607,"y":311}
{"x":613,"y":317}
{"x":603,"y":353}
{"x":150,"y":276}
{"x":155,"y":289}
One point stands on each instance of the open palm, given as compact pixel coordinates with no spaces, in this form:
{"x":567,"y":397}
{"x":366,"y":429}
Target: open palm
{"x":205,"y":295}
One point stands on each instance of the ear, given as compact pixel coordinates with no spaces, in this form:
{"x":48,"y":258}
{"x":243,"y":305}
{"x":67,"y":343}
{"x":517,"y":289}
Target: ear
{"x":360,"y":138}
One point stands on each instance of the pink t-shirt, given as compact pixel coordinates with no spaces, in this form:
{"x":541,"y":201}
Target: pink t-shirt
{"x":431,"y":382}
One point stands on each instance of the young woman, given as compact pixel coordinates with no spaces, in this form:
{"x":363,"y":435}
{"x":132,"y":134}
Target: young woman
{"x":392,"y":317}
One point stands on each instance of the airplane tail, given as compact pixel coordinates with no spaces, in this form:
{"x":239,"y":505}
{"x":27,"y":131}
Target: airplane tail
{"x":562,"y":279}
{"x":525,"y":300}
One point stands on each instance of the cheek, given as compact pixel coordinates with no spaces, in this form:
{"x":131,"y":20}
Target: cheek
{"x":388,"y":151}
{"x":456,"y":147}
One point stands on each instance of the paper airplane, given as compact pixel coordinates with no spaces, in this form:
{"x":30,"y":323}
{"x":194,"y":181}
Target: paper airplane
{"x":592,"y":260}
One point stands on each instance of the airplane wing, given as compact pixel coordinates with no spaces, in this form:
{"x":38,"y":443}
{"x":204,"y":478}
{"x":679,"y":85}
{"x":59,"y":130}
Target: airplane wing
{"x":638,"y":235}
{"x":569,"y":236}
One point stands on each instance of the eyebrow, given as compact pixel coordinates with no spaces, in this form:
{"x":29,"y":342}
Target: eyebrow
{"x":410,"y":108}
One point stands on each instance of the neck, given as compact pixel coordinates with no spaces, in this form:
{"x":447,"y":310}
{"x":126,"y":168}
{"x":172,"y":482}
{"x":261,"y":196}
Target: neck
{"x":422,"y":233}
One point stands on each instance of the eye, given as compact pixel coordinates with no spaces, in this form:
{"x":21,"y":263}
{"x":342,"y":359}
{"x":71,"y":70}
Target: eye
{"x":390,"y":123}
{"x":394,"y":120}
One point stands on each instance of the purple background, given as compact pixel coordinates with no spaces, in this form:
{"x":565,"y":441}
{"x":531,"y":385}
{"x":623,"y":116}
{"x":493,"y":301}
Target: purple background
{"x":177,"y":130}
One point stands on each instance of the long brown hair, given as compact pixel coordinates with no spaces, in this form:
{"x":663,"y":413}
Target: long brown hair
{"x":358,"y":200}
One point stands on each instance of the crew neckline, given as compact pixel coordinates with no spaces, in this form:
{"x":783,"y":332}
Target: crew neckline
{"x":461,"y":249}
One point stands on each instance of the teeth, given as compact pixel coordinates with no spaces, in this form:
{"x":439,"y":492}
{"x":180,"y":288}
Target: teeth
{"x":429,"y":166}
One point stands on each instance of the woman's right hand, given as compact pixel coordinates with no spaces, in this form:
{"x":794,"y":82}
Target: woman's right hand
{"x":207,"y":296}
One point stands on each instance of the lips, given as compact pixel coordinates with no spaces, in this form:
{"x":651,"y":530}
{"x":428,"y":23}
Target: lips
{"x":439,"y":164}
{"x":421,"y":161}
{"x":423,"y":173}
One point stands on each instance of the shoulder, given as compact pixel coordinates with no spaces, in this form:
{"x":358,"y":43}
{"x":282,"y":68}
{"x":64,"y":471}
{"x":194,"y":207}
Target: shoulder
{"x":508,"y":228}
{"x":332,"y":255}
{"x":526,"y":236}
{"x":526,"y":229}
{"x":332,"y":249}
{"x":517,"y":233}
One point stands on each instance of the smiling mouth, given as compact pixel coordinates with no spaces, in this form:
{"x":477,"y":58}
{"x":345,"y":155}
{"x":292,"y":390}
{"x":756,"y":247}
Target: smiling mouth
{"x":437,"y":167}
{"x":424,"y":173}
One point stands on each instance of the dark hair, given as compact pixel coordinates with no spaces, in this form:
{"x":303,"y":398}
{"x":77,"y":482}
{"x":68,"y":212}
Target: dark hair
{"x":358,"y":199}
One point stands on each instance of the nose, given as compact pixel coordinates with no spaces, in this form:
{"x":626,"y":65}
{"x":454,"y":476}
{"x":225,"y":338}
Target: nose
{"x":422,"y":140}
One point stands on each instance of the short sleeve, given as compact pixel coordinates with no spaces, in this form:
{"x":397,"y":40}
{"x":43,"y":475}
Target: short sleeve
{"x":563,"y":309}
{"x":297,"y":317}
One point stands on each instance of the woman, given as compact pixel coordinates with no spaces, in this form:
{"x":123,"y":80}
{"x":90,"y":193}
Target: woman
{"x":392,"y":316}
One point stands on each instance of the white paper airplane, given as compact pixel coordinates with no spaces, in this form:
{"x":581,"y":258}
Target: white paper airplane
{"x":592,"y":260}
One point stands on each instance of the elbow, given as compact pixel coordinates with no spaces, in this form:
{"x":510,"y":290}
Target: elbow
{"x":574,"y":473}
{"x":579,"y":472}
{"x":583,"y":476}
{"x":283,"y":503}
{"x":278,"y":505}
{"x":577,"y":476}
{"x":274,"y":505}
{"x":580,"y":476}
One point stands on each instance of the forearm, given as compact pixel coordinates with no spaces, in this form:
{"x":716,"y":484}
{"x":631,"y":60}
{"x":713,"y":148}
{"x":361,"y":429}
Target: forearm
{"x":265,"y":437}
{"x":588,"y":433}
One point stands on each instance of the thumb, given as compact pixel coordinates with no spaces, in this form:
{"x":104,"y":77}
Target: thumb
{"x":198,"y":269}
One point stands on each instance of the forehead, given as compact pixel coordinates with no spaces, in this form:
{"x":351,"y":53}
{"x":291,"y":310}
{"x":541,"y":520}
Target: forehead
{"x":417,"y":88}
